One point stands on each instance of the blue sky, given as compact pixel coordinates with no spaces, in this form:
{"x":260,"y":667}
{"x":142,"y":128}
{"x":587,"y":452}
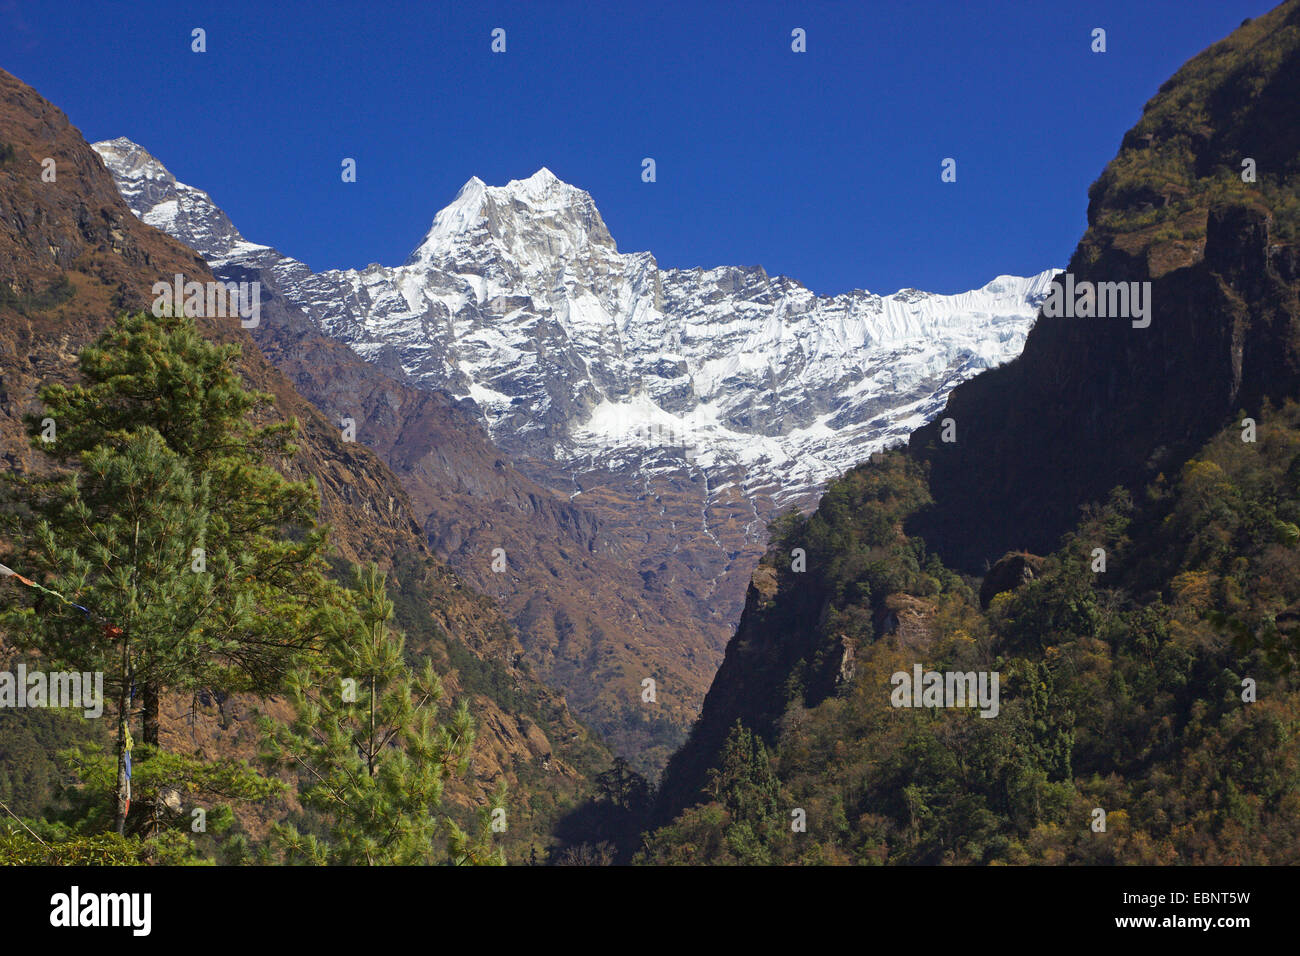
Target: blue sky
{"x":824,"y":166}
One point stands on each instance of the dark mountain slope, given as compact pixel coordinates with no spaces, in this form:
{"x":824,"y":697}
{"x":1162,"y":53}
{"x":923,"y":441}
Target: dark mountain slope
{"x":1090,"y":405}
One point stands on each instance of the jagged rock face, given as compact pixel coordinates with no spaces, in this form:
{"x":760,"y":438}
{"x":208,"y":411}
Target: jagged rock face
{"x":1095,"y":403}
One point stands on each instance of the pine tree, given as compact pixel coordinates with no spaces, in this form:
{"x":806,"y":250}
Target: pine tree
{"x":136,"y":509}
{"x":624,"y":788}
{"x":368,"y":748}
{"x":743,"y":781}
{"x":197,"y":564}
{"x":260,"y":547}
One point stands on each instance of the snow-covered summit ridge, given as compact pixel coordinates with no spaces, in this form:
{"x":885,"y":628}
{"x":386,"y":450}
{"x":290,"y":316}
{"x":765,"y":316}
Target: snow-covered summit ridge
{"x":518,"y":300}
{"x":181,"y":211}
{"x":518,"y":218}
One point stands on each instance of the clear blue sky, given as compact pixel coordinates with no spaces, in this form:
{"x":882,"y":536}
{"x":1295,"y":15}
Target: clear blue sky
{"x":823,"y":166}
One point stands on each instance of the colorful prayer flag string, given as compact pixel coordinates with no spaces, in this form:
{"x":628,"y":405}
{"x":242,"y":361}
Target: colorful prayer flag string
{"x":127,"y":743}
{"x":10,"y":572}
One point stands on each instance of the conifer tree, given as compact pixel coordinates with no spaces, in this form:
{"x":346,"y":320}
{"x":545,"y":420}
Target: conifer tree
{"x":743,"y":781}
{"x":197,"y":563}
{"x":261,"y":545}
{"x":135,"y":509}
{"x":368,"y":748}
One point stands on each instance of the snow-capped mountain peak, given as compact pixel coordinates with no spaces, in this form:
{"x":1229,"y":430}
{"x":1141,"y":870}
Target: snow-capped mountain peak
{"x":539,"y":223}
{"x":461,"y":215}
{"x":593,"y":360}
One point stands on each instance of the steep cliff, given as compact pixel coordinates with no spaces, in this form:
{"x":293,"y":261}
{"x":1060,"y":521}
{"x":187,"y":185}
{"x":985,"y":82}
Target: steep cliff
{"x":1096,"y":402}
